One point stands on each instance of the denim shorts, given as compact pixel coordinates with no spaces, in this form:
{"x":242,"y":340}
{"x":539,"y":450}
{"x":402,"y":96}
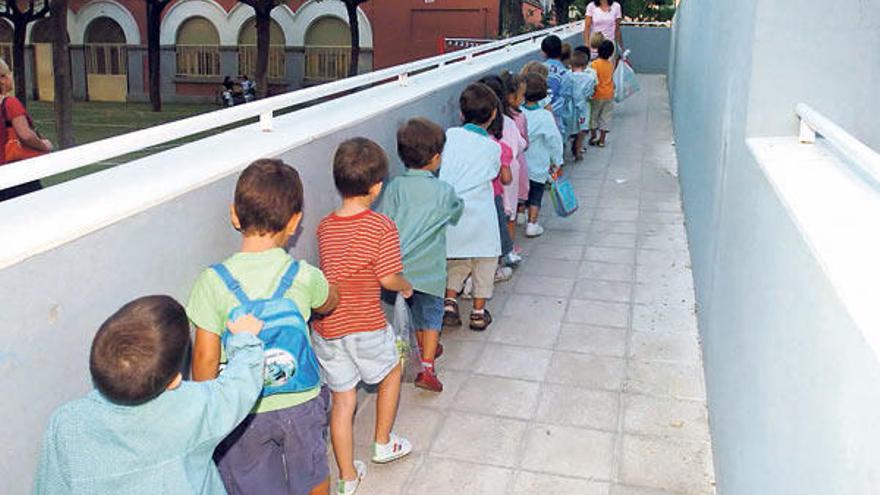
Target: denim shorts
{"x":536,"y":193}
{"x":427,"y":311}
{"x":356,"y":357}
{"x":283,"y":451}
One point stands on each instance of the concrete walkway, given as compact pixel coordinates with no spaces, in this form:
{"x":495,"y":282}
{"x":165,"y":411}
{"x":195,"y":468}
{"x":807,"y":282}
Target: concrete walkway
{"x":590,"y":381}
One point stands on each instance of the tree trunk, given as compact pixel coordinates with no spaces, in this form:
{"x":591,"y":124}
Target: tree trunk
{"x":354,"y":28}
{"x":63,"y":81}
{"x":154,"y":23}
{"x":511,"y":18}
{"x":18,"y":65}
{"x":561,"y":7}
{"x":263,"y":18}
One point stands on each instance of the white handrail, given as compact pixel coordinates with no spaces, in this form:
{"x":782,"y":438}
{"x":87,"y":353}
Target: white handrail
{"x":80,"y":156}
{"x":859,"y":153}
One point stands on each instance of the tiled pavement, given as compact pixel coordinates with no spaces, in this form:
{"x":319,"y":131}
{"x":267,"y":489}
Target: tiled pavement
{"x":590,"y":381}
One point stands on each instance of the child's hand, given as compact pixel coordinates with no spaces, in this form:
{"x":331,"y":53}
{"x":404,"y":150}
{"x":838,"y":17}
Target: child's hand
{"x":407,"y":290}
{"x":245,"y":324}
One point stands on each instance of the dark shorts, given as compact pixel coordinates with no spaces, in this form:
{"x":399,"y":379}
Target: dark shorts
{"x":536,"y":193}
{"x":506,"y":241}
{"x":427,"y":311}
{"x":278,"y":452}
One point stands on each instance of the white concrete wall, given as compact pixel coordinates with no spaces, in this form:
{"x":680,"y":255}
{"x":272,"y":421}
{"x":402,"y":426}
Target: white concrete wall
{"x":52,"y":302}
{"x":791,"y":379}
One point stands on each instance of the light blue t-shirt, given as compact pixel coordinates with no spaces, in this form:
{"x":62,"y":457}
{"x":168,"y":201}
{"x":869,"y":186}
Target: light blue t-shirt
{"x":545,"y":143}
{"x":559,"y":86}
{"x":470,"y":160}
{"x":163,"y":446}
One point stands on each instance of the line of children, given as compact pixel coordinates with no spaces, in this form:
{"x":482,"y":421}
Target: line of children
{"x":249,"y":422}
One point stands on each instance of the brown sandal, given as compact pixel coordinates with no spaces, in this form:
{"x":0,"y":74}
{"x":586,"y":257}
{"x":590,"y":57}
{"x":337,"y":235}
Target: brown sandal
{"x":451,"y":316}
{"x":481,"y":321}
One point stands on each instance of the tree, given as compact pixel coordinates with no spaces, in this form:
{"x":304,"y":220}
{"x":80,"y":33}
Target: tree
{"x":351,"y":8}
{"x":263,"y":17}
{"x":154,"y":25}
{"x":21,"y":13}
{"x":561,"y":9}
{"x":511,"y":18}
{"x":61,"y":67}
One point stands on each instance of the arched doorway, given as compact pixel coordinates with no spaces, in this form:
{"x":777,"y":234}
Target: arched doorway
{"x":44,"y":73}
{"x":106,"y":62}
{"x":247,"y":49}
{"x":328,"y":50}
{"x":198,"y":49}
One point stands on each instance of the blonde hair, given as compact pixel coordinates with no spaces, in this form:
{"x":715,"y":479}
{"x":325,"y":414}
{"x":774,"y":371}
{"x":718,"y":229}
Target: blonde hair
{"x":536,"y":67}
{"x":596,"y":39}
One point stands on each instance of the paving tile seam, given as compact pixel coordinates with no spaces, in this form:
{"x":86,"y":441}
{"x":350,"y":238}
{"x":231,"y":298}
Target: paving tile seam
{"x":515,"y":470}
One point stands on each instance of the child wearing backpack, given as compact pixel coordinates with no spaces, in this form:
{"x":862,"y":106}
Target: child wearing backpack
{"x":143,"y":429}
{"x":360,"y":251}
{"x":263,"y":279}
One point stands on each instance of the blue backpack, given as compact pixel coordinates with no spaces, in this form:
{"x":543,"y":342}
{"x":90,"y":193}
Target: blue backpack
{"x":290,"y":362}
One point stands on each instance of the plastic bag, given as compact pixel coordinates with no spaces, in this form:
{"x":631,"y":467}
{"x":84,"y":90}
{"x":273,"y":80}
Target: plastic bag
{"x":625,"y":82}
{"x":562,"y":195}
{"x":405,"y":338}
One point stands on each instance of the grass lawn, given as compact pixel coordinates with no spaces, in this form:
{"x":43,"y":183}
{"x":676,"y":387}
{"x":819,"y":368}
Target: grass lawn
{"x":97,"y":120}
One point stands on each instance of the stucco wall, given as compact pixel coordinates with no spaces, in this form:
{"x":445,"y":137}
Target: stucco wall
{"x":650,"y":48}
{"x":791,"y":382}
{"x":53,"y":302}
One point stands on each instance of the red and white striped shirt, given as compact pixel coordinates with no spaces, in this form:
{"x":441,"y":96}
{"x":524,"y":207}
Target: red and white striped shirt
{"x":356,"y":252}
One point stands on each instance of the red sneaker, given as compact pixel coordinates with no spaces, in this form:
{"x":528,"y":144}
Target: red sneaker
{"x":429,"y":381}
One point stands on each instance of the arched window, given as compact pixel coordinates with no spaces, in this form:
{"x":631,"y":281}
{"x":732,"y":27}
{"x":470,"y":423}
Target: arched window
{"x":105,"y":47}
{"x":198,"y":48}
{"x":328,"y":49}
{"x":247,"y":49}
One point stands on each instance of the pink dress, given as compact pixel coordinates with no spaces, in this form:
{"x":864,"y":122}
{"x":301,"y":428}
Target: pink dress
{"x":506,"y":159}
{"x":522,"y":184}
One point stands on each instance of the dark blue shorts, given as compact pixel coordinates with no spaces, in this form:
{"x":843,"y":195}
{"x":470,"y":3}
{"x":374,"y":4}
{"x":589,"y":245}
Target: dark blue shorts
{"x":278,"y":452}
{"x":427,"y":311}
{"x":536,"y":193}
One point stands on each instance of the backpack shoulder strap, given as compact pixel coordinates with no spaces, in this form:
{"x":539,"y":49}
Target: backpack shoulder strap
{"x":286,"y":279}
{"x":231,"y":284}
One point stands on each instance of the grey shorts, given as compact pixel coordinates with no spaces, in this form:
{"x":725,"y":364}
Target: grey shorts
{"x":600,"y":118}
{"x":282,"y":451}
{"x":361,"y":356}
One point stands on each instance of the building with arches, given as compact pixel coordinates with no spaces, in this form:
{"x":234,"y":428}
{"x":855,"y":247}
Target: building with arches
{"x":202,"y":41}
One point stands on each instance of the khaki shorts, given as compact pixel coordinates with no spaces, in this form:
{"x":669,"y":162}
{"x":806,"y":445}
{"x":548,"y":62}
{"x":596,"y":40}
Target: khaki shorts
{"x":481,"y":270}
{"x":601,"y":115}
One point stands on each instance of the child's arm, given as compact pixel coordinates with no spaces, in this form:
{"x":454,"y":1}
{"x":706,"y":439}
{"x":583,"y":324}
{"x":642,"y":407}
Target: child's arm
{"x":397,"y":283}
{"x":206,"y":355}
{"x":506,"y":176}
{"x":331,"y":302}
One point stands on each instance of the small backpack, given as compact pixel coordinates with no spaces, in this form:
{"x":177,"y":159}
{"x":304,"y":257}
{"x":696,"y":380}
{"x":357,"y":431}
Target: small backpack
{"x":290,"y":362}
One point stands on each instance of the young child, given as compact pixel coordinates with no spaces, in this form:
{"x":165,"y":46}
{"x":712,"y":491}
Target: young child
{"x":471,"y":160}
{"x":266,"y":210}
{"x":360,"y":252}
{"x":144,"y":430}
{"x":558,"y":81}
{"x":565,"y":57}
{"x":421,"y":207}
{"x":513,"y":145}
{"x":515,"y":86}
{"x":584,"y":85}
{"x":545,"y":148}
{"x":540,"y":69}
{"x":603,"y":98}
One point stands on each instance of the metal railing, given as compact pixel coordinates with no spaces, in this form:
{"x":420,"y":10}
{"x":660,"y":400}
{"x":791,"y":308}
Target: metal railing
{"x":327,"y":63}
{"x":61,"y":161}
{"x":198,"y":60}
{"x":247,"y":61}
{"x":813,"y":122}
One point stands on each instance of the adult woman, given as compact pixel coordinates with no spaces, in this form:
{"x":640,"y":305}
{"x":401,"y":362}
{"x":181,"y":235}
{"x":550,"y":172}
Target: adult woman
{"x":17,"y":124}
{"x":603,"y":16}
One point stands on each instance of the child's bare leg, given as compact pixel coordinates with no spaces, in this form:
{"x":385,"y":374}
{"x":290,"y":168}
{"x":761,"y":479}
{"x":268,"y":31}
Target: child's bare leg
{"x":342,"y":432}
{"x":579,"y":145}
{"x":479,"y":303}
{"x":511,"y":229}
{"x":386,"y":405}
{"x":602,"y":136}
{"x":322,"y":489}
{"x":593,"y":136}
{"x":428,"y":343}
{"x":533,"y":217}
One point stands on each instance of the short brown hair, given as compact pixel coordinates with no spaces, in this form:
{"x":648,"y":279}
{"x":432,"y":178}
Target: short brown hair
{"x":268,"y":193}
{"x":139,"y":350}
{"x":533,"y":66}
{"x":418,"y":141}
{"x":477,"y":102}
{"x":357,"y":165}
{"x":536,"y":87}
{"x":579,"y":60}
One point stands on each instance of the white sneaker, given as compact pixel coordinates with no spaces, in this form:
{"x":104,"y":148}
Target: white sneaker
{"x":349,"y":487}
{"x":513,"y":259}
{"x":521,"y":218}
{"x":534,"y":230}
{"x":503,"y":273}
{"x":396,"y":448}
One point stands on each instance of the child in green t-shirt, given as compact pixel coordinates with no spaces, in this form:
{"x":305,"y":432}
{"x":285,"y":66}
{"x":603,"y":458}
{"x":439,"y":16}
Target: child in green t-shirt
{"x":267,"y":210}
